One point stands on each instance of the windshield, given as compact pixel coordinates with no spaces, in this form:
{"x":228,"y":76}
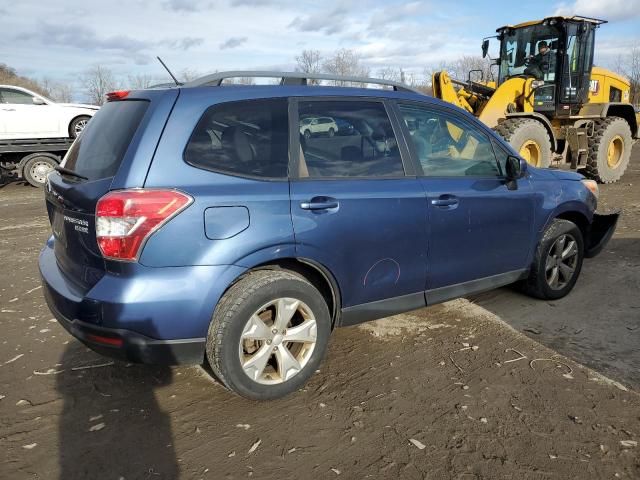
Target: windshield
{"x":530,"y":51}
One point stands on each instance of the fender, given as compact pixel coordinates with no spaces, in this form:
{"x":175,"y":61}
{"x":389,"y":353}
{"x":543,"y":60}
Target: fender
{"x":612,"y":109}
{"x":542,"y":119}
{"x":570,"y":206}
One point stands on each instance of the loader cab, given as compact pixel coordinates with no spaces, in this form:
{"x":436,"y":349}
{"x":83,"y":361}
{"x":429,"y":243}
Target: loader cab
{"x":557,"y":53}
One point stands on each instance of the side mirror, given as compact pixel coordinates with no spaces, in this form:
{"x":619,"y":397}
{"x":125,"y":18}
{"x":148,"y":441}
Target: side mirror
{"x":38,"y":101}
{"x":485,"y":47}
{"x":516,"y":168}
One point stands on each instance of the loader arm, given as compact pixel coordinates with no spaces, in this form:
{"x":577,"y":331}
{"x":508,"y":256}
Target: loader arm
{"x":444,"y":90}
{"x":513,"y":95}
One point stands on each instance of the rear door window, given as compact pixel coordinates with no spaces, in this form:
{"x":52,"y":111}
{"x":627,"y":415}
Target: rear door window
{"x":248,"y":138}
{"x":99,"y":150}
{"x":356,"y":139}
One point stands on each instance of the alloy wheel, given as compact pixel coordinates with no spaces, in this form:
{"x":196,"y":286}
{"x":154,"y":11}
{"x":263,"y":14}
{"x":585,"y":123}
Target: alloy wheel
{"x":79,"y":127}
{"x":561,"y":263}
{"x":278,"y":341}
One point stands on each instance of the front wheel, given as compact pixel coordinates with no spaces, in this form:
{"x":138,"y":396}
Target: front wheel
{"x":557,"y":262}
{"x":268,"y":334}
{"x":529,"y":138}
{"x":78,"y":125}
{"x":307,"y":134}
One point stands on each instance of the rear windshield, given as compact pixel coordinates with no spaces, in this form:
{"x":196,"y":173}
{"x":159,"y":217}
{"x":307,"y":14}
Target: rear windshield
{"x":98,"y":152}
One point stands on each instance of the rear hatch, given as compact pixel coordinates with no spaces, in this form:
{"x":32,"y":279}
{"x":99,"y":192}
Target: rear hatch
{"x":101,"y":159}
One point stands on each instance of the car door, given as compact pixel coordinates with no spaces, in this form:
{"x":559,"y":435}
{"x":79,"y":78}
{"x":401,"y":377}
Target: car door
{"x":358,"y":209}
{"x":479,"y":227}
{"x":24,"y":119}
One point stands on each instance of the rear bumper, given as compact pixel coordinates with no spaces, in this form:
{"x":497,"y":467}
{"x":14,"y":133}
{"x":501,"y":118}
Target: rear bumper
{"x":127,"y":345}
{"x":138,"y":314}
{"x":600,"y":232}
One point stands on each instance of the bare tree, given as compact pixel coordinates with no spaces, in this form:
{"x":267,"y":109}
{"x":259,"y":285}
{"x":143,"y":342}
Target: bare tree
{"x":345,"y":62}
{"x":633,"y":72}
{"x":309,"y":61}
{"x":61,"y":92}
{"x":390,"y":73}
{"x":188,"y":74}
{"x":140,"y":81}
{"x":466,"y":64}
{"x":98,"y":81}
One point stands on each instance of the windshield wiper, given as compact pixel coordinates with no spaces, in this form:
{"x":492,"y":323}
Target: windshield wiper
{"x":66,"y":171}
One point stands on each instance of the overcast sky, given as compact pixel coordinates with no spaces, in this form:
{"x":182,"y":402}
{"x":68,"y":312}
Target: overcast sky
{"x":62,"y":38}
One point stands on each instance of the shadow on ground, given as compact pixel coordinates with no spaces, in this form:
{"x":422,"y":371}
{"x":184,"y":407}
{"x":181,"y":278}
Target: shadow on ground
{"x":111,"y":425}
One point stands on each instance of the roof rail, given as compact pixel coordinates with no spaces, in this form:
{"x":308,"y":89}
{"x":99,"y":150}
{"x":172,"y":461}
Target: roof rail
{"x":293,"y":78}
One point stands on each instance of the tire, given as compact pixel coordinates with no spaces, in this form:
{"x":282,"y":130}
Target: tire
{"x":600,"y":165}
{"x":77,"y":125}
{"x":233,"y":320}
{"x":529,"y":138}
{"x":36,"y":168}
{"x":332,"y":132}
{"x":538,"y":284}
{"x":307,"y":134}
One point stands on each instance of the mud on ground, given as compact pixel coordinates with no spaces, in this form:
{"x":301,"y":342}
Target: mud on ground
{"x":446,"y":392}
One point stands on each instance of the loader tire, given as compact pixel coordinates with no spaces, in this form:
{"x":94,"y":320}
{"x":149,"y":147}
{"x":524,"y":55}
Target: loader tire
{"x":609,"y":150}
{"x":529,"y":138}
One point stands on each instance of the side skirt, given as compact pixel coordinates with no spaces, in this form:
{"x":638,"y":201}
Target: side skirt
{"x":393,"y":306}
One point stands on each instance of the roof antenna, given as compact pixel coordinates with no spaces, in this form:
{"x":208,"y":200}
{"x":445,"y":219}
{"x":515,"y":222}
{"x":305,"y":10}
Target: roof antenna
{"x":167,"y":69}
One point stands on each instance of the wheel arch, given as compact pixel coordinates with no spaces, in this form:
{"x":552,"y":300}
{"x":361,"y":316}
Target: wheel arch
{"x":572,"y":212}
{"x":593,"y":111}
{"x":542,"y":119}
{"x":626,"y":112}
{"x":74,"y":118}
{"x":23,"y":161}
{"x":315,"y":273}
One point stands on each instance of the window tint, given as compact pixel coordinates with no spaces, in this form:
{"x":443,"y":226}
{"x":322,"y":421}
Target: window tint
{"x":501,"y":156}
{"x":352,"y":139}
{"x":244,"y":138}
{"x":99,"y":150}
{"x":448,"y":146}
{"x":15,"y":97}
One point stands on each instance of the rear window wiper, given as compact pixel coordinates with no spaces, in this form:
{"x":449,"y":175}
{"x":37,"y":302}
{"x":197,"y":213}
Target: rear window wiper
{"x":66,"y":171}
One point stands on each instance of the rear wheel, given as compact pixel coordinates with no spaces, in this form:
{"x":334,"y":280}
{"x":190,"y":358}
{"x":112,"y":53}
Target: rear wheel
{"x":332,"y":132}
{"x":36,"y":168}
{"x":268,"y":334}
{"x":557,"y":262}
{"x":609,"y":150}
{"x":529,"y":138}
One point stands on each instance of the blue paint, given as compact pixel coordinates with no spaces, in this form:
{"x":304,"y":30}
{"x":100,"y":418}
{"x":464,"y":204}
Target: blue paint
{"x":384,"y":238}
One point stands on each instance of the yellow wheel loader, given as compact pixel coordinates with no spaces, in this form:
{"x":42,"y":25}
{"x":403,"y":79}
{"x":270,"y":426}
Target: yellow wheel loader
{"x":549,"y":101}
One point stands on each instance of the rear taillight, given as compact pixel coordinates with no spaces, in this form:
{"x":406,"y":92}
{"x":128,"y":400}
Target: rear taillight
{"x":125,"y":219}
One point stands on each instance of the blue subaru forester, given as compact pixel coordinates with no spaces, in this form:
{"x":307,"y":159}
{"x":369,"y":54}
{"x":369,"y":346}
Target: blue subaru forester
{"x":240,"y":225}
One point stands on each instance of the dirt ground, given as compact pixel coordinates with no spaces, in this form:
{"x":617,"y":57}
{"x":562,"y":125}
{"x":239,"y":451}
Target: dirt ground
{"x":449,"y":392}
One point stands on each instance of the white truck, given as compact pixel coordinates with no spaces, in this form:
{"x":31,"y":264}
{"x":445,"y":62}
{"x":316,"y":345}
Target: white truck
{"x":36,"y":131}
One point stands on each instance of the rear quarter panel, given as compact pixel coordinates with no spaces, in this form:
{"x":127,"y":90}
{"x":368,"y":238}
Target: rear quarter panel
{"x":183,"y":241}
